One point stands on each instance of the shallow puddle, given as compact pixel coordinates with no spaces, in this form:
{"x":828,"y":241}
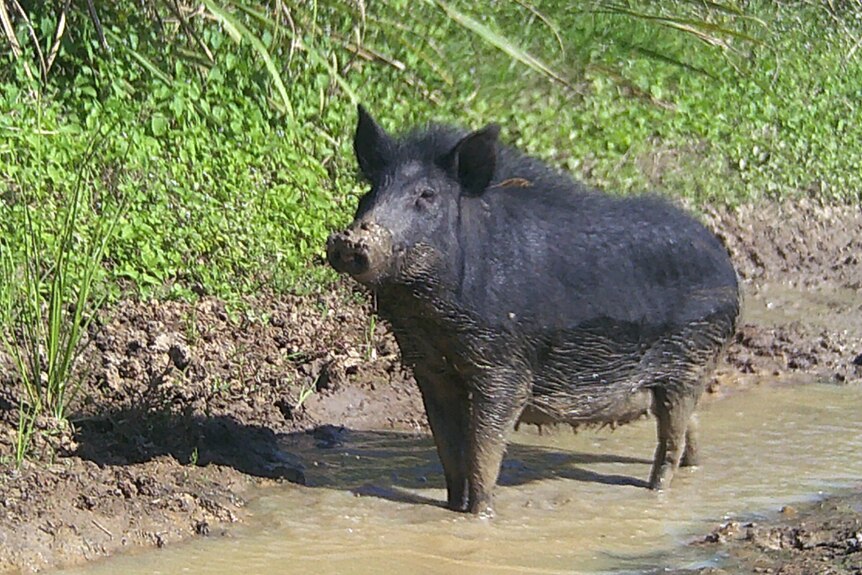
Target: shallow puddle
{"x":569,"y":503}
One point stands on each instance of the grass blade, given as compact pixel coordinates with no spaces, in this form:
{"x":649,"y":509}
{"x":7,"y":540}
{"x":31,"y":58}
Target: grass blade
{"x":498,"y":41}
{"x":229,"y":20}
{"x":316,"y":56}
{"x":698,"y":28}
{"x":9,"y":30}
{"x":555,"y":30}
{"x":321,"y":60}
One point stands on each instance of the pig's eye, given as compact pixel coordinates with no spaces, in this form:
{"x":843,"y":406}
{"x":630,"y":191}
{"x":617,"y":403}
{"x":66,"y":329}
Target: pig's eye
{"x":426,"y":196}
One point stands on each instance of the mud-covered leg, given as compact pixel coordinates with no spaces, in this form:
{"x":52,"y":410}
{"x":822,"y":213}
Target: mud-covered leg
{"x":691,"y":455}
{"x":673,"y":412}
{"x":447,"y":408}
{"x":496,"y":406}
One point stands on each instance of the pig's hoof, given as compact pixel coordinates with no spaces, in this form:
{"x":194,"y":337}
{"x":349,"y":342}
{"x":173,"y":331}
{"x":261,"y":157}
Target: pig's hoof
{"x":482,"y":508}
{"x":660,"y":479}
{"x":459,"y":505}
{"x":690,"y":460}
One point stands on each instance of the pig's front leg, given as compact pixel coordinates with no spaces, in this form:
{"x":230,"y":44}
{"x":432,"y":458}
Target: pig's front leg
{"x":497,"y":400}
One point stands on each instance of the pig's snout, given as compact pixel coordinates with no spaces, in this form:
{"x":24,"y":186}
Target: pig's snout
{"x":361,"y":251}
{"x":346,"y":254}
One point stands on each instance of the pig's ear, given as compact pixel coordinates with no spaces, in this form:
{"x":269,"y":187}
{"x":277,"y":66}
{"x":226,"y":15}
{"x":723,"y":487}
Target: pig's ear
{"x":474,"y":159}
{"x":371,"y":144}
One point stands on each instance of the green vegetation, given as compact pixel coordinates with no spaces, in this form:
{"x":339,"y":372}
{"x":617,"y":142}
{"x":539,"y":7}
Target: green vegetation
{"x":46,"y":294}
{"x":224,"y":128}
{"x":231,"y":126}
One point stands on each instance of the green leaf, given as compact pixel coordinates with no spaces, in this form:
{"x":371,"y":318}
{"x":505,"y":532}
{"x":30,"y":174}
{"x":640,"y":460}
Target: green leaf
{"x":140,"y":58}
{"x":159,"y":125}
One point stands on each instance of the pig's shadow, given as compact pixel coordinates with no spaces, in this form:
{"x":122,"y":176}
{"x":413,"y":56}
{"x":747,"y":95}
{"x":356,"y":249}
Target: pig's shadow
{"x":389,"y":465}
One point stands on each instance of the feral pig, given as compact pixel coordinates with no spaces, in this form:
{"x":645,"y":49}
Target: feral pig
{"x":515,"y":292}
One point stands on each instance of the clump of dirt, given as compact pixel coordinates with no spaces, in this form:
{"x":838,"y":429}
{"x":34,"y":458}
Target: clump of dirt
{"x":257,"y":365}
{"x":77,"y":509}
{"x":800,"y":243}
{"x":182,"y":404}
{"x":823,"y":538}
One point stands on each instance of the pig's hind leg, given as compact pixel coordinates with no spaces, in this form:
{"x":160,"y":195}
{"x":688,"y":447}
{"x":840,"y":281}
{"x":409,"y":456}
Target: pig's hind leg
{"x":674,"y":412}
{"x":691,"y":455}
{"x":681,"y":366}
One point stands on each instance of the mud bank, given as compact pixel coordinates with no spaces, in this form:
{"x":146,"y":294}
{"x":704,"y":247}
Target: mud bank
{"x":182,"y":404}
{"x":823,"y":538}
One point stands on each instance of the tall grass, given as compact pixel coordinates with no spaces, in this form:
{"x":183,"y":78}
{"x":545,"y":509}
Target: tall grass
{"x":49,"y":295}
{"x":279,"y":30}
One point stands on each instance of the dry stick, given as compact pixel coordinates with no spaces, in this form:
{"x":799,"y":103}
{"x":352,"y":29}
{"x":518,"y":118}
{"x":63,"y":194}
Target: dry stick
{"x":35,"y":40}
{"x":58,"y":36}
{"x":91,"y":8}
{"x":371,"y":55}
{"x":294,"y":44}
{"x":9,"y":30}
{"x":854,"y":48}
{"x":102,"y":528}
{"x":548,"y":22}
{"x":175,"y":10}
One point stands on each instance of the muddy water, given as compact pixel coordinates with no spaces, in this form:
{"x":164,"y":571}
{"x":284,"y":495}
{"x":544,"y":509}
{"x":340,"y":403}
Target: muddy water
{"x":568,"y":503}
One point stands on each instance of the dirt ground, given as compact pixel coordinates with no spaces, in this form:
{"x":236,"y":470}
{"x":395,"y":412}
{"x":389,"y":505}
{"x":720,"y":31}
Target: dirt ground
{"x":182,"y":404}
{"x":823,"y":539}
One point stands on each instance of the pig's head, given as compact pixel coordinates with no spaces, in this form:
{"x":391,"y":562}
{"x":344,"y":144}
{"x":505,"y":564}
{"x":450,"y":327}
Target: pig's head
{"x":407,"y":225}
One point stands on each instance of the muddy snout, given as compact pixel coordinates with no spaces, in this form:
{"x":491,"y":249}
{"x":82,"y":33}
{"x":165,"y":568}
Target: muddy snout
{"x":362,"y":251}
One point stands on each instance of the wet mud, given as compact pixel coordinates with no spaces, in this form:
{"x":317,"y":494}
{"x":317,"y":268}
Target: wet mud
{"x":184,"y":407}
{"x":823,"y":538}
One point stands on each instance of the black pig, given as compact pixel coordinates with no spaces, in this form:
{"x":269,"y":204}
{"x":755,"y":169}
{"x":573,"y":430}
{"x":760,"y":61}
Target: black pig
{"x":515,"y":292}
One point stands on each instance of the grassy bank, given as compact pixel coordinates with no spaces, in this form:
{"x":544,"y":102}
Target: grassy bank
{"x":232,"y":183}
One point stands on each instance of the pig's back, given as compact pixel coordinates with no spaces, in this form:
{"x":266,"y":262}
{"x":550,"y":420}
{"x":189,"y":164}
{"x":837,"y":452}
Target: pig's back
{"x":560,"y":258}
